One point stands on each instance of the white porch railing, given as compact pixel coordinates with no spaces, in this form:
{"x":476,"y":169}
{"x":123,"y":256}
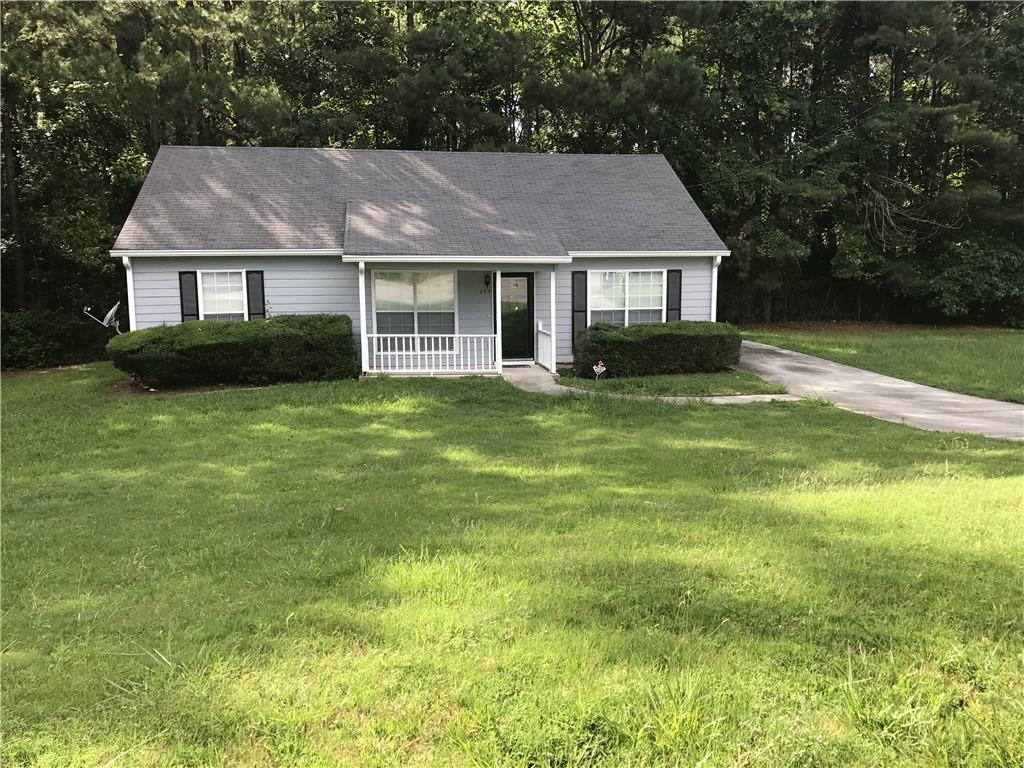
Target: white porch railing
{"x":543,"y":355}
{"x":430,"y":353}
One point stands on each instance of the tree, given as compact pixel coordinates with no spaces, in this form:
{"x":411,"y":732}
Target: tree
{"x":860,"y":159}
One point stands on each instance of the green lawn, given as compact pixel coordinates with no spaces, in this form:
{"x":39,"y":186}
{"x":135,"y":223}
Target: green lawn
{"x":986,"y":362}
{"x":693,"y":384}
{"x":457,"y":573}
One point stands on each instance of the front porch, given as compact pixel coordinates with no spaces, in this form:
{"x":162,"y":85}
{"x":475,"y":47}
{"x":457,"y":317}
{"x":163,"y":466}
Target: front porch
{"x":426,"y":319}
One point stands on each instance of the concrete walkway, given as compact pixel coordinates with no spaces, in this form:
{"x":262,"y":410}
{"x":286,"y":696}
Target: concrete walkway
{"x":883,"y":397}
{"x":534,"y":379}
{"x":870,"y":394}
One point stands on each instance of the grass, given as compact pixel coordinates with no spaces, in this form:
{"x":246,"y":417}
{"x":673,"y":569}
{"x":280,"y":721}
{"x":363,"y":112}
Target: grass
{"x":976,"y":361}
{"x":692,"y":385}
{"x":458,"y":573}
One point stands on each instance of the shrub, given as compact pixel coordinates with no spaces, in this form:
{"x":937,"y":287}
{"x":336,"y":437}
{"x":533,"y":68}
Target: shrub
{"x":39,"y":338}
{"x":647,"y":350}
{"x":283,"y":348}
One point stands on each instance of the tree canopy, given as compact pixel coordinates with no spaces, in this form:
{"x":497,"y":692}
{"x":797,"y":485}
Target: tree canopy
{"x":860,"y":160}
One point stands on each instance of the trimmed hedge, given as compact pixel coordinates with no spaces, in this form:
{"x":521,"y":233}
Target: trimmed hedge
{"x":283,"y":348}
{"x":40,"y":338}
{"x":682,"y":346}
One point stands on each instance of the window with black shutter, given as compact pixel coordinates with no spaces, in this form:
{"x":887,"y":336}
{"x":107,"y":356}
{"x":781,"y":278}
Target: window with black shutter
{"x":674,"y":295}
{"x":254,"y":286}
{"x":189,"y":290}
{"x":579,"y":304}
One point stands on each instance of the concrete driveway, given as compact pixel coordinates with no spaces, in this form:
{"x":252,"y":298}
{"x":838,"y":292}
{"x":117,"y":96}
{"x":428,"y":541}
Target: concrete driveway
{"x":883,"y":397}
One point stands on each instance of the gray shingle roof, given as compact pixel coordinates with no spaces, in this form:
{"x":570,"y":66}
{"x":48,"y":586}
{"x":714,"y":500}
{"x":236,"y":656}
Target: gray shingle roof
{"x":393,"y":202}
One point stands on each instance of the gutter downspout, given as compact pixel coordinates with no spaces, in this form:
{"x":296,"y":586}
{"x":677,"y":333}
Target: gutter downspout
{"x":714,"y":289}
{"x":132,"y":325}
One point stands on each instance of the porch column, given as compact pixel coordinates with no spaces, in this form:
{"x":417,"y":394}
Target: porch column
{"x":497,"y":320}
{"x":554,"y":320}
{"x":364,"y":348}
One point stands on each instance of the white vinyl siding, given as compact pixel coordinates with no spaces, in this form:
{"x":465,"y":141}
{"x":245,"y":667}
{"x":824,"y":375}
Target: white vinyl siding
{"x":293,"y":285}
{"x":695,"y":300}
{"x":542,"y":296}
{"x":324,"y":284}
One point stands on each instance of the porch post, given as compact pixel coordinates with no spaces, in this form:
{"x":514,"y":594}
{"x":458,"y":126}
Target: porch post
{"x":554,"y":320}
{"x":497,"y":320}
{"x":363,"y":345}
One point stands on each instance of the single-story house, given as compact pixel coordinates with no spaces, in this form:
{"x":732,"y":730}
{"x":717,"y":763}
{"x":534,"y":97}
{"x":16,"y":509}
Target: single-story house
{"x":447,"y":262}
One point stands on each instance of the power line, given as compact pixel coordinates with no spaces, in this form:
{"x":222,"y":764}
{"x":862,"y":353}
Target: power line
{"x":849,"y":122}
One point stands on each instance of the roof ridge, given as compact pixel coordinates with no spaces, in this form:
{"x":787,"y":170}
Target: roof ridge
{"x":419,"y":151}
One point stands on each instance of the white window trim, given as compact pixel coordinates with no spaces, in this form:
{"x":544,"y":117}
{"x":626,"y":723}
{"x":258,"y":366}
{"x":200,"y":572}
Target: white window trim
{"x":245,"y":291}
{"x":415,"y":312}
{"x":626,"y":308}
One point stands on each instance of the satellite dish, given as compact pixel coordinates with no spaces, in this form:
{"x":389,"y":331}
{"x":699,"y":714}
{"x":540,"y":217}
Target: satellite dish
{"x":109,"y":317}
{"x":109,"y":320}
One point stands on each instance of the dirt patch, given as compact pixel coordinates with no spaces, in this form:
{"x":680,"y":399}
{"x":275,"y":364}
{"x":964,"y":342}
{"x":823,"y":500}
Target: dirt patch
{"x":41,"y":371}
{"x":852,"y":326}
{"x":129,"y":388}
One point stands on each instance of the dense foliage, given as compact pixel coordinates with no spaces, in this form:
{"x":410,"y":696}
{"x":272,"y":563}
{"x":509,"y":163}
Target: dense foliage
{"x":860,"y":159}
{"x":681,"y":346}
{"x":39,"y":338}
{"x":283,"y":348}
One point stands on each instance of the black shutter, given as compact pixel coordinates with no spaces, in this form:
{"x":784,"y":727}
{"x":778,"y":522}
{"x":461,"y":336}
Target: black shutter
{"x":579,"y":304}
{"x":189,"y":296}
{"x":254,"y":289}
{"x":673,"y":300}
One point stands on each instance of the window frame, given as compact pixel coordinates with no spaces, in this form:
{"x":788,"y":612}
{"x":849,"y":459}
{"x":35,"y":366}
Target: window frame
{"x":415,"y":308}
{"x":626,"y":307}
{"x":245,"y":292}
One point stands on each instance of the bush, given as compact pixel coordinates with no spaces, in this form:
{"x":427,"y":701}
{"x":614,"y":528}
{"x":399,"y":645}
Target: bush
{"x":39,"y":338}
{"x":283,"y":348}
{"x":648,"y":350}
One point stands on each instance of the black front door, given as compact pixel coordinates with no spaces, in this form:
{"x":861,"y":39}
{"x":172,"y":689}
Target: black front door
{"x":517,"y":316}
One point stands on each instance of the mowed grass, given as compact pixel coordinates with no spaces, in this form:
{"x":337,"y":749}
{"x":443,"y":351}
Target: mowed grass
{"x":987,"y":362}
{"x":457,"y":573}
{"x":689,"y":385}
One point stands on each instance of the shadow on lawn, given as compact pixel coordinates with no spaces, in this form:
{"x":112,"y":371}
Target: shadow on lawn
{"x":413,"y":452}
{"x":431,"y":443}
{"x":865,"y":597}
{"x":256,"y":522}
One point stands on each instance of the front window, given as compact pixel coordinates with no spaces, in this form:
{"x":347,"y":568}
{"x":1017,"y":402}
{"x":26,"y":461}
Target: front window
{"x":627,"y":298}
{"x":221,"y":296}
{"x":415,"y":302}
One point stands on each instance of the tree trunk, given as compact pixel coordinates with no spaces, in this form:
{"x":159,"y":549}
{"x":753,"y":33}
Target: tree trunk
{"x":898,"y":60}
{"x":240,"y":54}
{"x":410,"y":24}
{"x":11,"y":171}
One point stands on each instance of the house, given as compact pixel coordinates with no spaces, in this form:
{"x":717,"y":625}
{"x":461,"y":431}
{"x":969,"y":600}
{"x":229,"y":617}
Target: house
{"x":447,"y":262}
